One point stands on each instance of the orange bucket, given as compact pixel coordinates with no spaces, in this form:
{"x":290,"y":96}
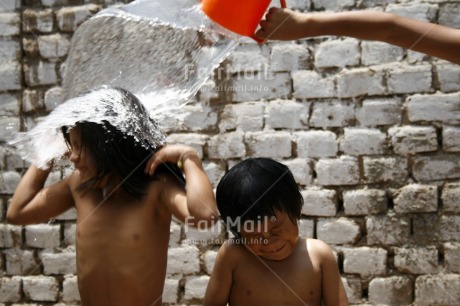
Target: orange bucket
{"x":239,"y":16}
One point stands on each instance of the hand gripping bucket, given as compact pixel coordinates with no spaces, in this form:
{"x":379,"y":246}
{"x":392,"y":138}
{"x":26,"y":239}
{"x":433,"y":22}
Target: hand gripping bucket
{"x":239,"y":16}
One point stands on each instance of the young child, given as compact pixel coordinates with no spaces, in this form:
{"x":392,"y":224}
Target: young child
{"x":123,"y":212}
{"x":432,"y":39}
{"x":267,"y":263}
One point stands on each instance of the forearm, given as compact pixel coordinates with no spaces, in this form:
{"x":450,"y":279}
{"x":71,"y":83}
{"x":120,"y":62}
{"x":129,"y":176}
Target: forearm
{"x":201,"y":202}
{"x":425,"y":37}
{"x":30,"y":185}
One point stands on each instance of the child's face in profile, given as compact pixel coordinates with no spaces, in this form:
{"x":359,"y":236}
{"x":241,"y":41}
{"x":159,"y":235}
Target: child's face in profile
{"x":79,"y":156}
{"x":275,"y":238}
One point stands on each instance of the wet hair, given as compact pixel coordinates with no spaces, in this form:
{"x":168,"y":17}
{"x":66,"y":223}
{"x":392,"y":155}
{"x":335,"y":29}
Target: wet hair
{"x":117,"y":154}
{"x":257,"y":188}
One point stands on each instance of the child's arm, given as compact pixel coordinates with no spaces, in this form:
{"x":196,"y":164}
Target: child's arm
{"x":32,"y":203}
{"x":425,"y":37}
{"x":333,"y":292}
{"x":198,"y":202}
{"x":220,"y":283}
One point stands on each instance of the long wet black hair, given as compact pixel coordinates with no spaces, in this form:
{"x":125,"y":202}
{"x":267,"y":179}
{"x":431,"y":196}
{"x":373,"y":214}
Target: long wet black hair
{"x":117,"y":155}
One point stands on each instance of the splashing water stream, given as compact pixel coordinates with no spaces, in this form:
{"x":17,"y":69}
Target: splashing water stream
{"x":162,"y":51}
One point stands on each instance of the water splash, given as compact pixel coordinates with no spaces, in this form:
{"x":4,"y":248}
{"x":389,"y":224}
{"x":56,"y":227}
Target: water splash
{"x":161,"y":51}
{"x":45,"y":142}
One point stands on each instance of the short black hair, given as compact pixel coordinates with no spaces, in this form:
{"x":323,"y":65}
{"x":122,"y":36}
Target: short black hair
{"x":257,"y":188}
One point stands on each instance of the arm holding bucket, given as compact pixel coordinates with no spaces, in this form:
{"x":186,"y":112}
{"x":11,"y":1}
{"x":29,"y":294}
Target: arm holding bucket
{"x":432,"y":39}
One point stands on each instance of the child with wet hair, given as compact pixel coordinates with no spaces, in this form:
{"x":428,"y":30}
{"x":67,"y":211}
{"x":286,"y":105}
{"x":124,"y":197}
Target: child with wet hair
{"x":126,"y":191}
{"x":267,"y":263}
{"x":432,"y":39}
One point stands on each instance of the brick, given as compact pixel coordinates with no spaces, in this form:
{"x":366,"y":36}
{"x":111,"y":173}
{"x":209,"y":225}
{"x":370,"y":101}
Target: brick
{"x":448,"y":76}
{"x":183,"y":260}
{"x":274,"y":145}
{"x":9,"y":179}
{"x":413,"y":139}
{"x":353,"y":289}
{"x":358,"y":141}
{"x":450,"y":196}
{"x":10,"y":76}
{"x":332,"y":114}
{"x":200,"y":118}
{"x":204,"y":236}
{"x":452,"y":257}
{"x":298,"y":4}
{"x":10,"y":23}
{"x":361,"y":81}
{"x":339,"y":171}
{"x":365,"y":261}
{"x":310,"y":84}
{"x":301,"y":170}
{"x":376,"y":53}
{"x":40,"y":288}
{"x":170,"y":291}
{"x":287,"y":115}
{"x":209,"y":259}
{"x":385,"y":169}
{"x":437,"y":289}
{"x":10,"y":6}
{"x":306,"y":228}
{"x":387,"y":230}
{"x":436,"y":167}
{"x":175,"y":233}
{"x":10,"y":51}
{"x":42,"y":236}
{"x":395,"y":290}
{"x":215,"y":172}
{"x":338,"y":231}
{"x":319,"y":202}
{"x":195,"y":287}
{"x":70,"y":292}
{"x":69,"y":18}
{"x":332,"y":5}
{"x":32,"y":100}
{"x":426,"y":229}
{"x":69,"y":234}
{"x":451,"y":139}
{"x":419,"y":11}
{"x":364,"y":202}
{"x":416,"y":198}
{"x":337,"y":53}
{"x":289,"y":57}
{"x":38,"y":20}
{"x":9,"y":105}
{"x":417,"y":260}
{"x":449,"y":14}
{"x":59,"y":263}
{"x":224,"y":146}
{"x":21,"y":262}
{"x":253,"y":88}
{"x":316,"y":144}
{"x":377,"y":112}
{"x":10,"y":236}
{"x":450,"y":228}
{"x":10,"y":289}
{"x":245,"y":117}
{"x":244,"y":59}
{"x":53,"y":46}
{"x":41,"y":73}
{"x":420,"y":108}
{"x":410,"y":79}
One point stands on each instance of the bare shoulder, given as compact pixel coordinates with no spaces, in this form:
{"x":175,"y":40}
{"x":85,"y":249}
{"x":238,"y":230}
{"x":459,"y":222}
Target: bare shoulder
{"x":320,"y":250}
{"x":232,"y":251}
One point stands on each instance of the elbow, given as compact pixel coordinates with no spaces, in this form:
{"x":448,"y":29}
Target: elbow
{"x":12,"y":218}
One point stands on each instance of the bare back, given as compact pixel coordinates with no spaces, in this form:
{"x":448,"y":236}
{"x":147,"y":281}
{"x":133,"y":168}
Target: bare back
{"x":121,"y":245}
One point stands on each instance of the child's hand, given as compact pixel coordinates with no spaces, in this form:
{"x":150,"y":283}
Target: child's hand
{"x":283,"y":24}
{"x":169,"y":154}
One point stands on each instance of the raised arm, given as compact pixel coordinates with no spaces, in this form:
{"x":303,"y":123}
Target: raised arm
{"x":33,"y":203}
{"x":425,"y":37}
{"x":198,"y":204}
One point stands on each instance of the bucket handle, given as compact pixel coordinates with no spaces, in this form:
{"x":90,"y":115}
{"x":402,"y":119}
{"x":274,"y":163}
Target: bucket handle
{"x":261,"y":41}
